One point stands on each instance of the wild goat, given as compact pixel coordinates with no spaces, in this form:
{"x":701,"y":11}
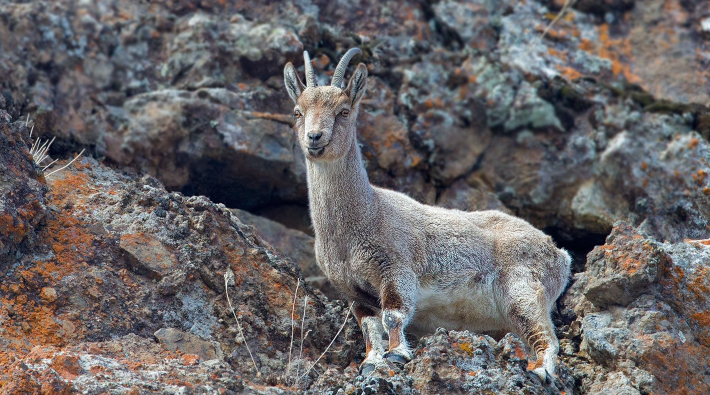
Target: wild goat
{"x":405,"y":263}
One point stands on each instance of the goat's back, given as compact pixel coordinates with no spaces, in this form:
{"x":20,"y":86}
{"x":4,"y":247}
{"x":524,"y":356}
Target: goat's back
{"x":446,"y":243}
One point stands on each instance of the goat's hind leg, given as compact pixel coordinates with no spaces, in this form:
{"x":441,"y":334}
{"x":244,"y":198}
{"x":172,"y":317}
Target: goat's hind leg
{"x":531,"y":320}
{"x":372,"y":331}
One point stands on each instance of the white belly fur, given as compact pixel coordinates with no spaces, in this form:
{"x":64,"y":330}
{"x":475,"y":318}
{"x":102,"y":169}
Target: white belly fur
{"x":466,"y":307}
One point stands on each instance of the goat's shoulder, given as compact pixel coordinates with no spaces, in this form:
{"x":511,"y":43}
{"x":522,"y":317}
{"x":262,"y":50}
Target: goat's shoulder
{"x":388,"y":198}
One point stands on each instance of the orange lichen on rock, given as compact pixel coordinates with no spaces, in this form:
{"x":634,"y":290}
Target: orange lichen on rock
{"x":31,"y":325}
{"x":618,"y":51}
{"x":190,"y":359}
{"x":693,"y":143}
{"x":67,"y":366}
{"x":630,"y":265}
{"x":585,"y":45}
{"x":558,"y":54}
{"x":670,"y":359}
{"x":72,"y":187}
{"x":569,"y":73}
{"x":557,"y":35}
{"x":520,"y":352}
{"x":700,"y":284}
{"x":30,"y":292}
{"x":532,"y":365}
{"x":467,"y":347}
{"x":700,"y":176}
{"x":9,"y":227}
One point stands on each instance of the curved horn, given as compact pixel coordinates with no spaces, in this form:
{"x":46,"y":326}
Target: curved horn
{"x":342,"y":65}
{"x":310,"y":77}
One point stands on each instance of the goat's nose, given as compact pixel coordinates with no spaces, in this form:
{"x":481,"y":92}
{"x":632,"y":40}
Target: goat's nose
{"x":314,"y":136}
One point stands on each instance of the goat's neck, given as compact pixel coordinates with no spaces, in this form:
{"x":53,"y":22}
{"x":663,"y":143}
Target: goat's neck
{"x":340,"y":194}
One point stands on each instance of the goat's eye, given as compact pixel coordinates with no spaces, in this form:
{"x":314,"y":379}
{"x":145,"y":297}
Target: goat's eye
{"x":345,"y":113}
{"x":297,"y":114}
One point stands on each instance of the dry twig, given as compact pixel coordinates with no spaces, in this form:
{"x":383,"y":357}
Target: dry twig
{"x":300,"y":352}
{"x":293,"y":310}
{"x":329,"y":345}
{"x":539,"y":38}
{"x":65,"y":166}
{"x":230,"y":276}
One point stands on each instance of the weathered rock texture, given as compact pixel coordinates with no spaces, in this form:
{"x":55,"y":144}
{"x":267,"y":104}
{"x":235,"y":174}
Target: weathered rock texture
{"x":113,"y":270}
{"x":121,"y":263}
{"x":22,"y":191}
{"x":641,"y":316}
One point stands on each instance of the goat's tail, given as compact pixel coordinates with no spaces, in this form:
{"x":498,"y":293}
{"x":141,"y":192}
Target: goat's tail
{"x":563,"y":263}
{"x":565,"y":259}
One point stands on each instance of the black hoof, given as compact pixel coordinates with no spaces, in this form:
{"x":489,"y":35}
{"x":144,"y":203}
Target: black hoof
{"x":396,"y":359}
{"x":547,"y":380}
{"x":559,"y":385}
{"x":366,"y":369}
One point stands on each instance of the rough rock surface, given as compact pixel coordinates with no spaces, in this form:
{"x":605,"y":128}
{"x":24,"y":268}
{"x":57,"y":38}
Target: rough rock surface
{"x":640,"y":316}
{"x":296,"y":245}
{"x":83,"y":298}
{"x":22,"y":191}
{"x":113,"y":270}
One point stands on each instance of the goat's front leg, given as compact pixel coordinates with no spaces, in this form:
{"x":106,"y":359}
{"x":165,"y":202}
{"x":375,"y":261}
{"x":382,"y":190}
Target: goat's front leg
{"x":372,"y":331}
{"x":398,"y":303}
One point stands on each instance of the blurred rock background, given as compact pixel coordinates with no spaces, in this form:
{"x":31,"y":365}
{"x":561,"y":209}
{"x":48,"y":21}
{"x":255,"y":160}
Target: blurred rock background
{"x":113,"y":270}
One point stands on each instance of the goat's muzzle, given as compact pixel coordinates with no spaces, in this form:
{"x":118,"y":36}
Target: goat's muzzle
{"x":316,"y":152}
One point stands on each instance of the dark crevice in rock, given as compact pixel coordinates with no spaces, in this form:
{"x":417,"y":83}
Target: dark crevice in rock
{"x":68,"y":149}
{"x":446,"y":35}
{"x":578,"y":244}
{"x":567,"y":99}
{"x":598,"y":8}
{"x":700,"y":114}
{"x":293,"y":216}
{"x":601,"y":7}
{"x":231,"y":182}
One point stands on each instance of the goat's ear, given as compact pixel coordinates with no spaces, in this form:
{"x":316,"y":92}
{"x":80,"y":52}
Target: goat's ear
{"x":357,"y":84}
{"x":294,"y":86}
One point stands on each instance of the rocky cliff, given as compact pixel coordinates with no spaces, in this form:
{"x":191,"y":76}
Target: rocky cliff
{"x":175,"y":256}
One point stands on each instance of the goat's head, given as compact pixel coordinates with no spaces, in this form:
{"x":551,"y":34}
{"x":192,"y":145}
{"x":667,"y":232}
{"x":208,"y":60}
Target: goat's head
{"x":325,"y":115}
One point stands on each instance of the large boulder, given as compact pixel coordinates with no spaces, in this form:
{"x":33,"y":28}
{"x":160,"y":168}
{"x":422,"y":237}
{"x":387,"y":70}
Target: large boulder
{"x":121,"y":262}
{"x":639,"y":316}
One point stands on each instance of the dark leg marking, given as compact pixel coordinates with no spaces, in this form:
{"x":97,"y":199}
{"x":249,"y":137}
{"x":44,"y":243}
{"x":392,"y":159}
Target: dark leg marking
{"x":390,"y":297}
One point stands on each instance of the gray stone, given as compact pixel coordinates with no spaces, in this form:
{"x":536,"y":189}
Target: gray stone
{"x":147,"y":255}
{"x":176,"y":340}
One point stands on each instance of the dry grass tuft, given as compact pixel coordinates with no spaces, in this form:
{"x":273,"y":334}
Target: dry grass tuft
{"x":39,"y":152}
